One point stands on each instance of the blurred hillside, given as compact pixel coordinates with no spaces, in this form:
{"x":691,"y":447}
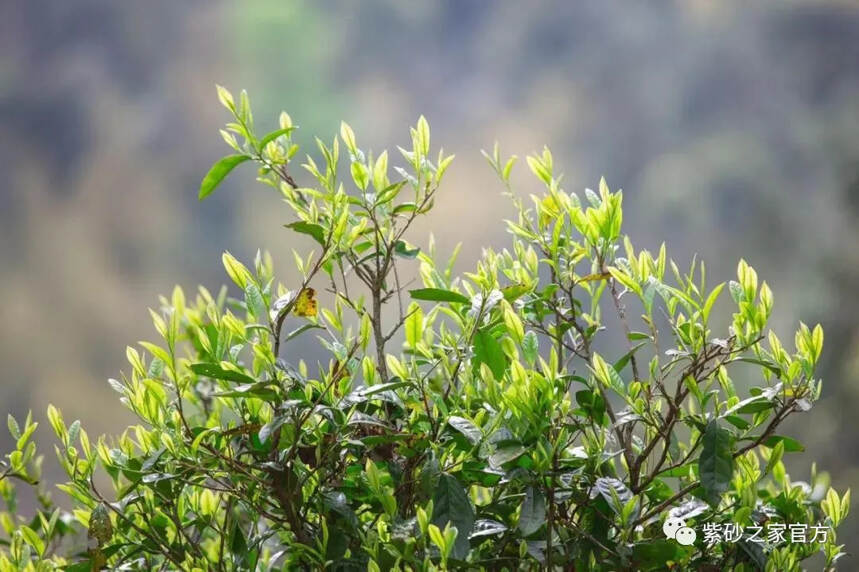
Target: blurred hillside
{"x":734,"y":130}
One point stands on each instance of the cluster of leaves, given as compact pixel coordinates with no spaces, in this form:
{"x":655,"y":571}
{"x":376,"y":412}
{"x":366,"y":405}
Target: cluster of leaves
{"x":523,"y":422}
{"x":29,"y":545}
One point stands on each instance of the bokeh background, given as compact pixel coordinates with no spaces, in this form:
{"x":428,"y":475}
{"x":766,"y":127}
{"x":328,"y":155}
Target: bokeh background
{"x":733,"y":128}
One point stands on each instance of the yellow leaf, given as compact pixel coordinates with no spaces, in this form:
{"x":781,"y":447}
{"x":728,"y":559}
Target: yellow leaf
{"x":306,"y":304}
{"x":549,"y":210}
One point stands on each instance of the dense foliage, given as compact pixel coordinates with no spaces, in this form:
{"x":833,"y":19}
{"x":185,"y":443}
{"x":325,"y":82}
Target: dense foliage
{"x":551,"y":408}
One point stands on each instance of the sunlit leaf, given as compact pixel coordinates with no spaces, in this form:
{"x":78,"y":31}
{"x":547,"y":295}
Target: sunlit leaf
{"x":218,"y":172}
{"x":438,"y":295}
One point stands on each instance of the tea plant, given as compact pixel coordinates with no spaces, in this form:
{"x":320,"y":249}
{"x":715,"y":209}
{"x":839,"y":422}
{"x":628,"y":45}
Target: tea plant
{"x":549,"y":409}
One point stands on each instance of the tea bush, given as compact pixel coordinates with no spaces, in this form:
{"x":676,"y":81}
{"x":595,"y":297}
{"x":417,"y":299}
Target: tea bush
{"x":549,"y":409}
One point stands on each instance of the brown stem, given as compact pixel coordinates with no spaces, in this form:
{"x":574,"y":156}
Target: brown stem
{"x":550,"y":520}
{"x":559,"y":336}
{"x":667,"y":502}
{"x":695,"y":369}
{"x":770,"y":428}
{"x":164,"y":549}
{"x":378,"y":334}
{"x":621,"y":313}
{"x":224,"y":533}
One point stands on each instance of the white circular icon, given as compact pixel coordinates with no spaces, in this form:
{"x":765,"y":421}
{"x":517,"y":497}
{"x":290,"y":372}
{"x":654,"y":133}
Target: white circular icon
{"x":685,"y":536}
{"x":672,"y":525}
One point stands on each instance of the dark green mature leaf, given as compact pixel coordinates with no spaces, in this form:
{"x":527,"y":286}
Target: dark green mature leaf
{"x":752,"y":404}
{"x":438,"y":295}
{"x":716,"y":463}
{"x":532,"y":515}
{"x":261,"y":390}
{"x":451,"y":504}
{"x":653,"y":555}
{"x":217,"y":173}
{"x":755,"y":552}
{"x":406,"y":250}
{"x":336,"y":501}
{"x":737,"y":422}
{"x":755,"y":407}
{"x":621,"y":363}
{"x":505,"y":455}
{"x":487,"y":350}
{"x":770,"y":366}
{"x":215,"y":371}
{"x":317,"y":232}
{"x":592,"y":404}
{"x":266,"y":431}
{"x":238,"y":542}
{"x":790,"y":445}
{"x":429,"y":475}
{"x":466,"y":427}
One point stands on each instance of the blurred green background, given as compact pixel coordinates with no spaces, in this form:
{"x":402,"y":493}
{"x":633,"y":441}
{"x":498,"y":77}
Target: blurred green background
{"x":733,"y":128}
